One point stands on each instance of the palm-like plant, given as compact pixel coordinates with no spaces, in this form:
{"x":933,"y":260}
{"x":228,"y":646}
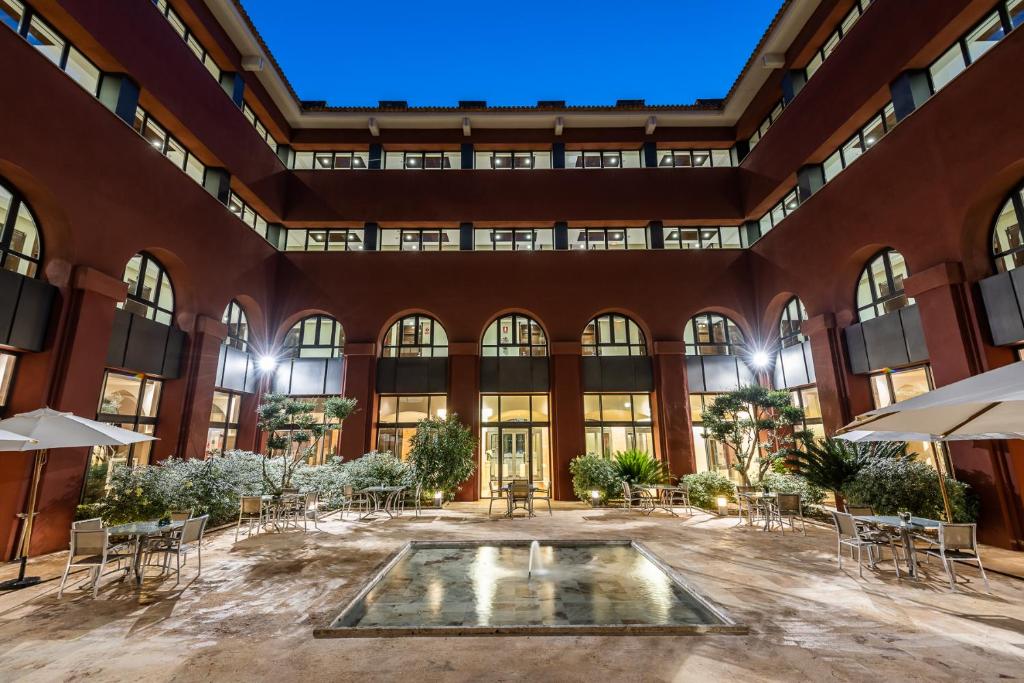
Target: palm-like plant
{"x":638,"y":467}
{"x":833,"y":463}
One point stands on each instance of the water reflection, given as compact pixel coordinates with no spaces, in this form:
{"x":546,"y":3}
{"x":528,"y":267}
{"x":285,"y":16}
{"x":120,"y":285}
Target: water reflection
{"x":488,"y":586}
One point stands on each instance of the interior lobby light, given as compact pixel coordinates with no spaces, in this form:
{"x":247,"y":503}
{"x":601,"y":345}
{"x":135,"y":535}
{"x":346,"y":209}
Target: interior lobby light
{"x":266,"y":363}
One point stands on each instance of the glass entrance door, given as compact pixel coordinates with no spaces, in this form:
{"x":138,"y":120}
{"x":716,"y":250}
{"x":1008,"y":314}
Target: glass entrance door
{"x":513,"y":453}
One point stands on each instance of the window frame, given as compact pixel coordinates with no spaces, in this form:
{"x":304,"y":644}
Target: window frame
{"x":710,"y":318}
{"x":7,"y":233}
{"x":792,"y":338}
{"x":335,"y":338}
{"x":237,"y":321}
{"x":634,"y":348}
{"x":533,"y":350}
{"x":153,"y":308}
{"x":877,"y":304}
{"x":394,"y":350}
{"x":1016,"y":200}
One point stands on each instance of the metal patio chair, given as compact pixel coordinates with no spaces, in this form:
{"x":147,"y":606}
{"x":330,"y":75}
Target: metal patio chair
{"x":847,"y":534}
{"x":92,"y":548}
{"x":957,"y":543}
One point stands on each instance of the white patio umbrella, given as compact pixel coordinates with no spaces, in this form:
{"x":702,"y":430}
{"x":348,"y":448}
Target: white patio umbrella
{"x":985,"y":406}
{"x":9,"y":441}
{"x":41,"y":430}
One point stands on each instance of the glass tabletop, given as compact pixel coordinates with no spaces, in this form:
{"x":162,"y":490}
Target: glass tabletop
{"x":142,"y":528}
{"x":895,"y":521}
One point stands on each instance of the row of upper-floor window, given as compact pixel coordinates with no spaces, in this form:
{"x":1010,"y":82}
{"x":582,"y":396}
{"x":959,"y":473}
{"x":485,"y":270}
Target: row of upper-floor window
{"x":196,"y":48}
{"x":993,"y":27}
{"x":513,"y":239}
{"x":30,"y":25}
{"x":822,"y":53}
{"x":510,"y":159}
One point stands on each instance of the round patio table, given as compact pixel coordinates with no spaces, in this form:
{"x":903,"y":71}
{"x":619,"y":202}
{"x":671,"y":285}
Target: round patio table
{"x":662,"y":499}
{"x":139,"y":531}
{"x":908,"y":531}
{"x":383,"y":499}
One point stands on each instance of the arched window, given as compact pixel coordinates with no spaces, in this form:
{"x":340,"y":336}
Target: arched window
{"x":711,"y":334}
{"x":20,"y":247}
{"x":318,"y":336}
{"x":789,"y":326}
{"x":1007,"y":245}
{"x":880,"y":289}
{"x":514,"y":335}
{"x":418,"y":336}
{"x":238,"y":326}
{"x":150,"y":293}
{"x":613,"y":335}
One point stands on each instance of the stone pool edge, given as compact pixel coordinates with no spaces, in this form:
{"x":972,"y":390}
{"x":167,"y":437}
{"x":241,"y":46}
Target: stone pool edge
{"x":729,"y":627}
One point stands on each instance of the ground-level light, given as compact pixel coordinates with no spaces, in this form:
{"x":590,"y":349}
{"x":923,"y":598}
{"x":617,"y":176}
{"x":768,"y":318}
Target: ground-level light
{"x":723,"y":505}
{"x":438,"y":495}
{"x":595,"y":498}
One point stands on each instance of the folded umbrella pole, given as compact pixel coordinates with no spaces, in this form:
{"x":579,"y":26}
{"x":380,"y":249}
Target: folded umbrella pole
{"x":41,"y":430}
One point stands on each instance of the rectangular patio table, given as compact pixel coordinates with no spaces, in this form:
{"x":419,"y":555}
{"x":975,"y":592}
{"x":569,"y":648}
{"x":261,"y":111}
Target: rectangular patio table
{"x":754,"y":498}
{"x":905,"y":530}
{"x":510,"y":504}
{"x":140,"y":531}
{"x":388,"y":493}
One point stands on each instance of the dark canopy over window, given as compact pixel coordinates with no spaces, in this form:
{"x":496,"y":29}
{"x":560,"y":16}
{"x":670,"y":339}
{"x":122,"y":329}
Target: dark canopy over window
{"x":880,"y":289}
{"x":150,"y":293}
{"x":318,"y":336}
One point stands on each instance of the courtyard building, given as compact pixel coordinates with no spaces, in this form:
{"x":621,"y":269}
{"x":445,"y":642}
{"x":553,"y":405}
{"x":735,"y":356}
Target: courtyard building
{"x":180,"y":233}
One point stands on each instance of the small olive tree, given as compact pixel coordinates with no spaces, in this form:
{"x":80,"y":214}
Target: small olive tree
{"x":294,"y":432}
{"x":441,"y":454}
{"x":757,"y":423}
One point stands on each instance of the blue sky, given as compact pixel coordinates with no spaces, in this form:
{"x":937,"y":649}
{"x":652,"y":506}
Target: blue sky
{"x":436,"y":52}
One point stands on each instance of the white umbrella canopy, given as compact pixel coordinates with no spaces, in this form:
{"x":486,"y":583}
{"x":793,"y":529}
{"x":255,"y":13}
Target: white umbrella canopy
{"x":9,"y":441}
{"x":48,"y":429}
{"x":986,"y":406}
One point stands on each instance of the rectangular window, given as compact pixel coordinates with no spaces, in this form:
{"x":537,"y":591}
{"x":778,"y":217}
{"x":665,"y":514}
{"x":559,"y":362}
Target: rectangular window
{"x":602,"y":159}
{"x":513,"y":239}
{"x":11,"y":13}
{"x":607,"y":239}
{"x":397,"y":417}
{"x":697,"y":158}
{"x":419,"y":239}
{"x":512,"y":160}
{"x":46,"y":40}
{"x":899,"y":385}
{"x":326,"y":161}
{"x":947,"y":67}
{"x":82,"y":71}
{"x":709,"y":455}
{"x":223,"y":431}
{"x":702,"y":238}
{"x":985,"y":36}
{"x":422,"y":161}
{"x":617,"y":422}
{"x":327,"y":239}
{"x":131,"y":402}
{"x":8,"y":361}
{"x":1015,"y":10}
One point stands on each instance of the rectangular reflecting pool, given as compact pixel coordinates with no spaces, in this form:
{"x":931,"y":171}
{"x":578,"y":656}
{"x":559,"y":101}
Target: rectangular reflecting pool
{"x":488,"y":588}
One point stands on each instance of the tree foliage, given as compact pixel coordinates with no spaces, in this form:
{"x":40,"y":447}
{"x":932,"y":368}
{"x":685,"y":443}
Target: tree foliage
{"x":591,"y":472}
{"x":760,"y":425}
{"x":832,"y":463}
{"x":892,"y":484}
{"x":294,"y":432}
{"x":441,"y":454}
{"x":639,"y":467}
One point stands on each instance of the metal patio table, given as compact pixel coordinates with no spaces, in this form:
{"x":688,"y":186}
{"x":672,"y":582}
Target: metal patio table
{"x":139,"y":531}
{"x":377,"y":494}
{"x":661,"y":499}
{"x":510,"y":504}
{"x":756,"y":499}
{"x":907,"y":531}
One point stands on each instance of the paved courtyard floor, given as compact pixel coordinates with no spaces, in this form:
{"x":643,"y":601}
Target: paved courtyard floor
{"x":251,"y":614}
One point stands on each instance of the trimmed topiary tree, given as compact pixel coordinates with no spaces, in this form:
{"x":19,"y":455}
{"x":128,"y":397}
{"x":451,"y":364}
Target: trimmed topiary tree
{"x":441,"y":455}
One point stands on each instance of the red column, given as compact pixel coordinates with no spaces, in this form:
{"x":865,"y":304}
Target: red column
{"x":956,"y":351}
{"x":183,"y":432}
{"x":567,"y":438}
{"x":672,"y":401}
{"x":464,"y":400}
{"x":843,"y":395}
{"x":77,"y":382}
{"x":357,"y":435}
